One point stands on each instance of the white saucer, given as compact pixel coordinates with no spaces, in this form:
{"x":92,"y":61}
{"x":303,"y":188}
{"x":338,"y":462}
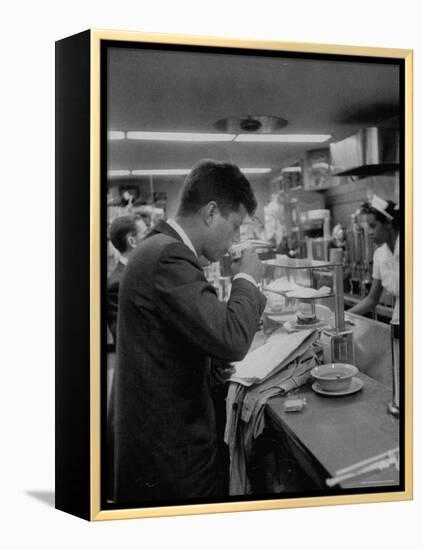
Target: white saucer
{"x":356,"y":385}
{"x":279,"y":317}
{"x":305,"y":297}
{"x":279,"y":292}
{"x":294,"y":325}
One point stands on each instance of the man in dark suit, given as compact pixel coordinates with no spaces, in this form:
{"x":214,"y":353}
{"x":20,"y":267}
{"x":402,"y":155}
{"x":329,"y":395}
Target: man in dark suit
{"x":125,"y":234}
{"x":171,"y":324}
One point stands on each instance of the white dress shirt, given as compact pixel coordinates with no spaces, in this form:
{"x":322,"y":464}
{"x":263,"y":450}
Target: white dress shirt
{"x":186,"y":240}
{"x":123,"y":259}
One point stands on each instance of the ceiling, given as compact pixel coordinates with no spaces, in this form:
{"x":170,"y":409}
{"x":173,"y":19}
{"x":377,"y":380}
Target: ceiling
{"x":157,"y":90}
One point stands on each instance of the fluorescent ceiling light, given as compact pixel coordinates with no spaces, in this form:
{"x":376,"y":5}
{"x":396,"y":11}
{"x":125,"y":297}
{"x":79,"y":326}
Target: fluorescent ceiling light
{"x":179,"y":136}
{"x":216,"y":137}
{"x":114,"y":134}
{"x":283,"y":138}
{"x":162,"y":172}
{"x":291,"y":169}
{"x":117,"y":173}
{"x":185,"y":171}
{"x":255,"y":170}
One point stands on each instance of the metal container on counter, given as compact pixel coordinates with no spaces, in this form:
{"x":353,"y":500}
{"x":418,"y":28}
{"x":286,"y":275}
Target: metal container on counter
{"x":360,"y":253}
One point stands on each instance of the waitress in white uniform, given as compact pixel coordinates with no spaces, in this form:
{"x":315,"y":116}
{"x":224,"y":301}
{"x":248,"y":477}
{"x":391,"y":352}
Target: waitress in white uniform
{"x":384,"y":228}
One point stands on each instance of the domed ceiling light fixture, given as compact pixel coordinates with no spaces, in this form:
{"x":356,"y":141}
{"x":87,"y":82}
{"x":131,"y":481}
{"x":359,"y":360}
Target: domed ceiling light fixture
{"x":260,"y":124}
{"x":263,"y":128}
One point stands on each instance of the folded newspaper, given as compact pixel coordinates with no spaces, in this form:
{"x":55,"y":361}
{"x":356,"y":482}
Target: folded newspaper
{"x":279,"y":350}
{"x":281,"y":365}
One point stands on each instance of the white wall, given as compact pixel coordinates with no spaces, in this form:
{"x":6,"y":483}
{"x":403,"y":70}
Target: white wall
{"x":29,"y":30}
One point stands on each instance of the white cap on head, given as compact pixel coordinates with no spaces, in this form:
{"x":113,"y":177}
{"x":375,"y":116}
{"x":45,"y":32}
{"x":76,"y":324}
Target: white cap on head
{"x":381,"y":205}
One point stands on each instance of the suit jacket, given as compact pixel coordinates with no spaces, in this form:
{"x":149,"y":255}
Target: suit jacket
{"x":170,"y":324}
{"x":113,"y":283}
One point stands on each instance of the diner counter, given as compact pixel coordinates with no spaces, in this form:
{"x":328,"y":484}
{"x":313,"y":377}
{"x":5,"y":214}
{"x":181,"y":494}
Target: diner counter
{"x":371,"y":341}
{"x":332,"y":433}
{"x":372,"y":347}
{"x":380,"y":310}
{"x":335,"y":432}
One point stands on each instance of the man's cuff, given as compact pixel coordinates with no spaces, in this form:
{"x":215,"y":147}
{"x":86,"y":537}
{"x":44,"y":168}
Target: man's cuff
{"x":247,"y":277}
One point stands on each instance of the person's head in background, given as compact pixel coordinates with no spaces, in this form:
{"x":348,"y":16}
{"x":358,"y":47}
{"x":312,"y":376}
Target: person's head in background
{"x":214,"y":201}
{"x":127,"y":197}
{"x":143,"y":211}
{"x":160,"y":201}
{"x":126,"y":232}
{"x":385,"y":223}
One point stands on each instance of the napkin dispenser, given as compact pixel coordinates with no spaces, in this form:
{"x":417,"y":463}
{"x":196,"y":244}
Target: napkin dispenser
{"x":338,"y":347}
{"x":338,"y":343}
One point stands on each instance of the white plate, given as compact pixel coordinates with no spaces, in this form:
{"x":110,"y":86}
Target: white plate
{"x":294,"y":325}
{"x":278,"y":292}
{"x":356,"y":385}
{"x":280,"y":317}
{"x":306,"y":296}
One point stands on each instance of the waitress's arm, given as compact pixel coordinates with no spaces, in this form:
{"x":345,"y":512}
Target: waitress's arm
{"x":370,"y":301}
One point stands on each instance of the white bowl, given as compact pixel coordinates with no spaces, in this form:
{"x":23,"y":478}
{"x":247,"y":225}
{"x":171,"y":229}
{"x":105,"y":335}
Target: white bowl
{"x":334,"y":376}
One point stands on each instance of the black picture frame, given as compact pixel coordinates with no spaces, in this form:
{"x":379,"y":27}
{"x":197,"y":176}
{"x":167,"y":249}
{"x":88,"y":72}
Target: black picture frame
{"x":81,"y":271}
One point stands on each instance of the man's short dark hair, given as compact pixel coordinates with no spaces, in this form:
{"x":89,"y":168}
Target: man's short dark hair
{"x":222,"y":182}
{"x":120,"y":228}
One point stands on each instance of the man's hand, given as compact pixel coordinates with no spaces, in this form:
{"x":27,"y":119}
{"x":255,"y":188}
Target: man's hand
{"x":251,"y":265}
{"x":223,"y":371}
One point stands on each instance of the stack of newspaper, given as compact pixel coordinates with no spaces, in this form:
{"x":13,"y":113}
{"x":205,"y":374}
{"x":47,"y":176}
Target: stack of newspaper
{"x":280,"y":366}
{"x":279,"y":350}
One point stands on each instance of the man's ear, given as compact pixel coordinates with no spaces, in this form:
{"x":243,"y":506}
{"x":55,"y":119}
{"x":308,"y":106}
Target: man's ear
{"x":131,"y":240}
{"x":209,"y":212}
